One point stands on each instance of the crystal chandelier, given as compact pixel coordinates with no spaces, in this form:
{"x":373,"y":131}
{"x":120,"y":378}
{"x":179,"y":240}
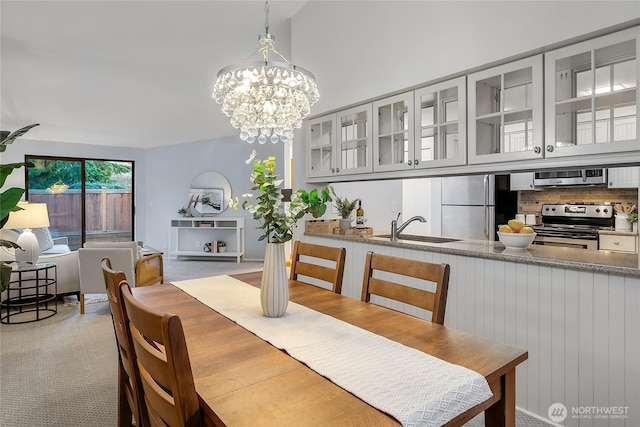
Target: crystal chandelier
{"x":266,"y":100}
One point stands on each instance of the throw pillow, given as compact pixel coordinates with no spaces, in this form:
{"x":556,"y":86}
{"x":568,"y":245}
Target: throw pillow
{"x":45,"y":241}
{"x":10,"y":235}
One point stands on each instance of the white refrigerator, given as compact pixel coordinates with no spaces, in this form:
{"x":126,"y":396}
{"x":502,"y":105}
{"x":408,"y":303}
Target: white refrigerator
{"x":468,"y":207}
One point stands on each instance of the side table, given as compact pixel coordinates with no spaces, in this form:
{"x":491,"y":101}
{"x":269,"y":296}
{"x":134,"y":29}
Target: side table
{"x":33,"y":292}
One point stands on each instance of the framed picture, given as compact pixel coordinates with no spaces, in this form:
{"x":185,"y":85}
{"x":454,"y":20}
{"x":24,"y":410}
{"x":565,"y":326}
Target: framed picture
{"x":207,"y":201}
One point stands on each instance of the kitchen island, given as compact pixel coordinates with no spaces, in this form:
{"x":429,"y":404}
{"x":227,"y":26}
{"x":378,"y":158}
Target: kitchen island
{"x":575,"y":312}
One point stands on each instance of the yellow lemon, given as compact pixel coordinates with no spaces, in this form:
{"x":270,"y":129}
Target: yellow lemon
{"x":516,"y":225}
{"x":505,"y":229}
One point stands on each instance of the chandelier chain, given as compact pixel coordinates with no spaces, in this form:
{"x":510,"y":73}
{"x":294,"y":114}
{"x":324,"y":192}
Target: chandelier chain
{"x":266,"y":19}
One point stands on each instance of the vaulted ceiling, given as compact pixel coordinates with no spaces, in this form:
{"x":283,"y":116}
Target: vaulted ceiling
{"x":126,"y":73}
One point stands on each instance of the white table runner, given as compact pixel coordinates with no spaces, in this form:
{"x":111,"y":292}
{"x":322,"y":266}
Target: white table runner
{"x":414,"y":387}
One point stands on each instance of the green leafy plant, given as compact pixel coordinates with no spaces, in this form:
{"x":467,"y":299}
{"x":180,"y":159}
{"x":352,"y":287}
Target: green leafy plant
{"x":182,"y":211}
{"x":632,"y":217}
{"x":221,"y":244}
{"x":277,"y":221}
{"x":344,"y":206}
{"x":10,"y":197}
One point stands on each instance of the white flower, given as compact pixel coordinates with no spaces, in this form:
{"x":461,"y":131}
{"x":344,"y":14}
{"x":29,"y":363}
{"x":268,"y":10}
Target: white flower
{"x":251,"y":157}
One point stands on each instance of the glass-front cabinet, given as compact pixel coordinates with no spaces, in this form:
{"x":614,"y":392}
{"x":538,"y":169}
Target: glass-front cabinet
{"x":393,"y":133}
{"x":591,"y":96}
{"x":440,"y":125}
{"x":321,"y":139}
{"x":506,"y":112}
{"x":340,"y":144}
{"x":354,"y":140}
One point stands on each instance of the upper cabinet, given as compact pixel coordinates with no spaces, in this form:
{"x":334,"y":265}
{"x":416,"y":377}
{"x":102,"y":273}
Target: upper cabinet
{"x":591,"y":96}
{"x":321,"y":140}
{"x":440,"y":125}
{"x":340,"y":144}
{"x":567,"y":108}
{"x":506,"y":112}
{"x":393,"y":133}
{"x":354,"y":140}
{"x":624,"y":177}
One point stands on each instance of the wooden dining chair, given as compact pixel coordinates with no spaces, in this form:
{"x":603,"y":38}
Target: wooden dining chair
{"x":435,"y":302}
{"x":129,"y":386}
{"x":149,"y":270}
{"x":309,"y":266}
{"x":163,"y":361}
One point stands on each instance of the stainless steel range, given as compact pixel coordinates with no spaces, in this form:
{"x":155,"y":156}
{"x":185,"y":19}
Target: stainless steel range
{"x":573,"y":225}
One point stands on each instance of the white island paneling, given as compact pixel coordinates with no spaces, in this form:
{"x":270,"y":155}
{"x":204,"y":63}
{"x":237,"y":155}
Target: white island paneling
{"x":581,"y":328}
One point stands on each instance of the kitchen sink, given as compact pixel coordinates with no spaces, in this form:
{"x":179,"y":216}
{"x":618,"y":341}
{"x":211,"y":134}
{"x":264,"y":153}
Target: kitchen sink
{"x":426,"y":239}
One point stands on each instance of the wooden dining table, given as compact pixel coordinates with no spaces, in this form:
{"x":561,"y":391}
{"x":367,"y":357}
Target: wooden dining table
{"x":242,"y":380}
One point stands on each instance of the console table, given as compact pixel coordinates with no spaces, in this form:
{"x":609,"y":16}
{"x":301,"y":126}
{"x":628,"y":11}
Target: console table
{"x":32,"y":292}
{"x":188,"y":236}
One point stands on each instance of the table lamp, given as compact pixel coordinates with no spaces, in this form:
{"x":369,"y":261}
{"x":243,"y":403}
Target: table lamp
{"x":32,"y":215}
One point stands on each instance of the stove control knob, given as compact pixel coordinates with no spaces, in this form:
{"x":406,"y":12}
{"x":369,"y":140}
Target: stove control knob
{"x":605,"y":210}
{"x":598,"y":210}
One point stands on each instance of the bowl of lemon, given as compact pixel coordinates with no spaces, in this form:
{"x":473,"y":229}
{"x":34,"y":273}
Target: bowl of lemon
{"x":515,"y":235}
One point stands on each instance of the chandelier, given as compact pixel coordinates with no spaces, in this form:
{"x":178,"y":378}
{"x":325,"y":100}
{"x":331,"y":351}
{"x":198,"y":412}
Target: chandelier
{"x":266,"y":100}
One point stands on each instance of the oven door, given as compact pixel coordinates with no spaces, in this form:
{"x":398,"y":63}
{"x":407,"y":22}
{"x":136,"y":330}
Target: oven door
{"x":566,"y":242}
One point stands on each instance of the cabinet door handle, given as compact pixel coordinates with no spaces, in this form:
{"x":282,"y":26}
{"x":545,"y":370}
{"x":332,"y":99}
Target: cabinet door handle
{"x":337,"y":170}
{"x":333,"y":170}
{"x":537,"y":150}
{"x":409,"y":162}
{"x":616,"y":243}
{"x":415,"y":162}
{"x":549,"y":148}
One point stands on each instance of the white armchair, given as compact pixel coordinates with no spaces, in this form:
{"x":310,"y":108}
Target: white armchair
{"x":124,"y":256}
{"x":91,"y":278}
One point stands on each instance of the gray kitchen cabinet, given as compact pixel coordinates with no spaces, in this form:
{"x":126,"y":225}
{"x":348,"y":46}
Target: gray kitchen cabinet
{"x":591,"y":96}
{"x":440,"y":137}
{"x":522,"y":181}
{"x":321,"y":141}
{"x":505,"y":106}
{"x":623,"y":177}
{"x":340,"y":143}
{"x":393,"y":133}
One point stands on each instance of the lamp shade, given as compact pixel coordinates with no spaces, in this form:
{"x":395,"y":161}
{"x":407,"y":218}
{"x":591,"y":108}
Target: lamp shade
{"x":32,"y":215}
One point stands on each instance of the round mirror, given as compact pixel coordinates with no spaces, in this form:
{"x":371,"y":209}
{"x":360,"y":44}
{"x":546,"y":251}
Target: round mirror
{"x":209,"y":193}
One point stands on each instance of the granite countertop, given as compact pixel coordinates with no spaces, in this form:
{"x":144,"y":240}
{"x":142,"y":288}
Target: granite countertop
{"x":598,"y":261}
{"x":618,"y":232}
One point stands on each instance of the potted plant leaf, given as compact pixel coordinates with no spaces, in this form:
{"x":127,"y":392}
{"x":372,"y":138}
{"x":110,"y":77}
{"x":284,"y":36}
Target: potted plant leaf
{"x":10,"y":197}
{"x":345,"y":209}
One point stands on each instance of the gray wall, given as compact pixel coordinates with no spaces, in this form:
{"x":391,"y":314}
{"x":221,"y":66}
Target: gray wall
{"x":172,"y":169}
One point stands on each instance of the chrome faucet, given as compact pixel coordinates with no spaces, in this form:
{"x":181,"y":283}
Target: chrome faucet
{"x":395,"y":230}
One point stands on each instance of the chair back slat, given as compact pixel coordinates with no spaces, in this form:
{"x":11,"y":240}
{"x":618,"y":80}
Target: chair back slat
{"x":162,"y":358}
{"x":435,"y":302}
{"x":129,"y":383}
{"x":305,"y":267}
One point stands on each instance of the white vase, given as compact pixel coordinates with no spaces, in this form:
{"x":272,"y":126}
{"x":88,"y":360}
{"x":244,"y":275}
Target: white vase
{"x":621,"y":222}
{"x":274,"y":290}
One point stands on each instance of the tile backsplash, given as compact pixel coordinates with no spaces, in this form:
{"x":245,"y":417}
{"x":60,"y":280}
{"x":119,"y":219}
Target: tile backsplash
{"x":530,"y":202}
